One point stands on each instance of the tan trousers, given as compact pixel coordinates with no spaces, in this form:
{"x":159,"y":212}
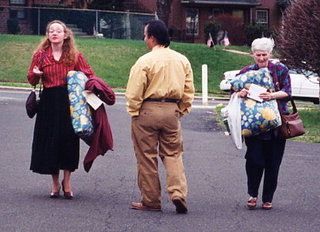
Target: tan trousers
{"x":157,"y":131}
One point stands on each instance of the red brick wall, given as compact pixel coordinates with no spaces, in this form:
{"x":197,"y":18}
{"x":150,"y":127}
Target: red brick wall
{"x":4,"y":15}
{"x":150,"y":5}
{"x":23,"y":23}
{"x":177,"y":17}
{"x":274,"y":13}
{"x":51,"y":2}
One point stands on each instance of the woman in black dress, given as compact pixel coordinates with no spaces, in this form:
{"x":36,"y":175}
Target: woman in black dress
{"x":55,"y":146}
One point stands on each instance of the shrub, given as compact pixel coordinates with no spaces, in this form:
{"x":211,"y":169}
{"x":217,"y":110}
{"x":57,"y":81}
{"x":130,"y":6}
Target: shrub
{"x":299,"y":39}
{"x":254,"y":31}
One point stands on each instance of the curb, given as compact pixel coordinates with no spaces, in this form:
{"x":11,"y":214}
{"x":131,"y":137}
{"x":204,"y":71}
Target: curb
{"x":3,"y":87}
{"x":15,"y":88}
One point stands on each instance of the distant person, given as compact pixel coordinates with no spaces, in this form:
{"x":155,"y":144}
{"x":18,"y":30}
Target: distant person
{"x":220,"y":37}
{"x":160,"y":90}
{"x":55,"y":146}
{"x":265,"y":151}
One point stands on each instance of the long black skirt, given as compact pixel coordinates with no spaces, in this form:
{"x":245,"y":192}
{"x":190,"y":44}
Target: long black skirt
{"x":55,"y":145}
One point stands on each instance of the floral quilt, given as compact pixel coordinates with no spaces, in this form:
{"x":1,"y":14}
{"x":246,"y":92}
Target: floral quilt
{"x":79,"y":109}
{"x":257,"y":117}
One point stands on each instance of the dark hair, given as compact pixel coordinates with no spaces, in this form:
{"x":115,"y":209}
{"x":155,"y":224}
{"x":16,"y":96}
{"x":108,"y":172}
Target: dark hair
{"x":159,"y":30}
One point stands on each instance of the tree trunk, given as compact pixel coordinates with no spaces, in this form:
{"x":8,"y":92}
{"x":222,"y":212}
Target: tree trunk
{"x":163,"y":10}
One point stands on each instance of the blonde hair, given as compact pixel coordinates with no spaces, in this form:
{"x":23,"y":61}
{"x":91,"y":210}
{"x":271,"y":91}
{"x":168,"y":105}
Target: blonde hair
{"x":264,"y":44}
{"x":68,"y":47}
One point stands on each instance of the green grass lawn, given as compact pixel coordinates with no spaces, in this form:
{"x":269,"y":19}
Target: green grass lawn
{"x":112,"y":59}
{"x":310,"y":117}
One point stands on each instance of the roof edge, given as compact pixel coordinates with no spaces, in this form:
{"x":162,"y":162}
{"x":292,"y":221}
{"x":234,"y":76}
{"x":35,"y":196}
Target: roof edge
{"x":220,"y":3}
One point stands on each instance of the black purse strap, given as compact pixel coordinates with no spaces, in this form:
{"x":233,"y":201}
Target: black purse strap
{"x":42,"y":56}
{"x":40,"y":90}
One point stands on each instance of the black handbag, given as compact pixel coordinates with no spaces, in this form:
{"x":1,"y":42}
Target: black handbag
{"x":32,"y":102}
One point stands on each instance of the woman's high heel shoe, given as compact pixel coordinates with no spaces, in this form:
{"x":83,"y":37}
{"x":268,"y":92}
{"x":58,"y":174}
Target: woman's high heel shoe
{"x":55,"y":194}
{"x":67,"y":195}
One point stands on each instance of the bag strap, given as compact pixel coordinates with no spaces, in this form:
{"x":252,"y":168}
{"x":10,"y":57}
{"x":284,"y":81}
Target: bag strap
{"x":290,"y":98}
{"x":293,"y":106}
{"x":40,"y":90}
{"x":277,"y":77}
{"x":43,"y":55}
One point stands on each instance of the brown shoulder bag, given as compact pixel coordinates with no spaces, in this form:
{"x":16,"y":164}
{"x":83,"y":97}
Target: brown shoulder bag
{"x":292,"y":124}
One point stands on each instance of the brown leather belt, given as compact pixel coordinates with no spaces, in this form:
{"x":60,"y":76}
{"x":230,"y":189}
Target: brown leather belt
{"x":162,"y":100}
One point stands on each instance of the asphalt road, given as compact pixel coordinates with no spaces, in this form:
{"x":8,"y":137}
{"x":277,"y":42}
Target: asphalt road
{"x":214,"y":168}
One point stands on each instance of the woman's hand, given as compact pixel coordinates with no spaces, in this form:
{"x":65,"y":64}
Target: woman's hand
{"x":274,"y":95}
{"x":37,"y":71}
{"x":266,"y":96}
{"x":243,"y":93}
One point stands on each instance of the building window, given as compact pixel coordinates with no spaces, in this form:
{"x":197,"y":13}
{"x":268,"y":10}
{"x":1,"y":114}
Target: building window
{"x":192,"y":21}
{"x":17,"y":2}
{"x":262,"y":16}
{"x":21,"y":14}
{"x":18,"y":13}
{"x":238,"y":14}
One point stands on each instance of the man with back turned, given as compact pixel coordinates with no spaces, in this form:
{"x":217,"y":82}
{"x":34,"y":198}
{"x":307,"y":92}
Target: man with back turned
{"x":159,"y":92}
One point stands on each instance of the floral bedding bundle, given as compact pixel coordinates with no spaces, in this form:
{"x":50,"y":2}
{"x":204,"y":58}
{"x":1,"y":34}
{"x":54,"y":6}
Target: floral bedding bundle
{"x":257,"y":117}
{"x":79,"y":109}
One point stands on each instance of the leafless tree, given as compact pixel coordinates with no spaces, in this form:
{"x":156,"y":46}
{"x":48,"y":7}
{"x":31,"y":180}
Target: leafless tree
{"x":299,"y":38}
{"x":163,"y":10}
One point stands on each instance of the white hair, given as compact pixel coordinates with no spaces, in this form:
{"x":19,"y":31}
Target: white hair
{"x":264,"y":44}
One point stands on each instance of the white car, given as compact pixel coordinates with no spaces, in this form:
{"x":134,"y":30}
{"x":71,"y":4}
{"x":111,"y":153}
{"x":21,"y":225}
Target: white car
{"x":303,"y":87}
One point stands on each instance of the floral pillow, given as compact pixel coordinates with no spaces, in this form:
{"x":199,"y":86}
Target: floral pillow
{"x":259,"y":77}
{"x":257,"y":117}
{"x":79,"y":109}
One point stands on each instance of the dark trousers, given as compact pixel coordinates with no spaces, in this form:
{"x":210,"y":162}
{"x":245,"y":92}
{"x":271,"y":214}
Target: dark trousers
{"x":263,"y":156}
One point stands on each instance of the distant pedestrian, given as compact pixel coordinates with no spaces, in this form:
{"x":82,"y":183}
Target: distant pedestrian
{"x":160,"y":90}
{"x":265,"y":151}
{"x":210,"y":42}
{"x":226,"y":41}
{"x":55,"y":146}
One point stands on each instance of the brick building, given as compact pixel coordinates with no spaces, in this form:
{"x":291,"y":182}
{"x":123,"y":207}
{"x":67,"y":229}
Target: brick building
{"x":19,"y":10}
{"x":187,"y":18}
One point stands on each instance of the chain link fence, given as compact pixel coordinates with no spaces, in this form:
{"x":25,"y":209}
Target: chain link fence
{"x":109,"y":24}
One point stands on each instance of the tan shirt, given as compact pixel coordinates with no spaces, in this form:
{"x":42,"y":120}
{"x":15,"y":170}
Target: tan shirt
{"x":161,"y":73}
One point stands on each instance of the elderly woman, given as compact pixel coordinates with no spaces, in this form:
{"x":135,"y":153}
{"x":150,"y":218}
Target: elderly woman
{"x":265,"y":151}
